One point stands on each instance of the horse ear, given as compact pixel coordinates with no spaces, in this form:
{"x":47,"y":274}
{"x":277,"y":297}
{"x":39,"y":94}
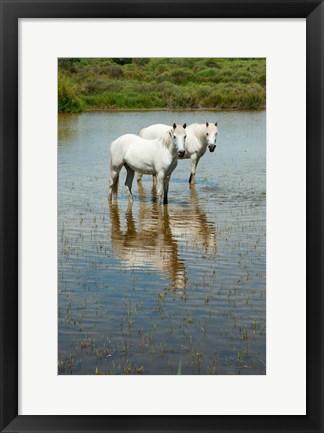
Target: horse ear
{"x":216,"y":124}
{"x":207,"y":124}
{"x":170,"y":133}
{"x":174,"y":126}
{"x":184,"y":126}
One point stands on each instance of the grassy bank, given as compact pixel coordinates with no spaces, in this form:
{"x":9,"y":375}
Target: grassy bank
{"x":161,"y":84}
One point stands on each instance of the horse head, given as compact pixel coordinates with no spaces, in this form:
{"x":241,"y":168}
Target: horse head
{"x":178,"y":136}
{"x":211,"y":135}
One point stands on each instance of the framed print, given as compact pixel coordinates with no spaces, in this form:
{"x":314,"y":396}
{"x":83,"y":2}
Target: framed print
{"x":161,"y":216}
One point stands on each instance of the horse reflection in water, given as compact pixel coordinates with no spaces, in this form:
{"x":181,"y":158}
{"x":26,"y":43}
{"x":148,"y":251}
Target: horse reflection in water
{"x":191,"y":226}
{"x":153,"y":243}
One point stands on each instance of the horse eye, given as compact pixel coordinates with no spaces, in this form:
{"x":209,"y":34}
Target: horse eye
{"x":207,"y":133}
{"x":174,"y":136}
{"x":185,"y":137}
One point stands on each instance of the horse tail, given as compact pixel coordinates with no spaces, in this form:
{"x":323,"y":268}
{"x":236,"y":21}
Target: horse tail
{"x":115,"y":186}
{"x":115,"y":182}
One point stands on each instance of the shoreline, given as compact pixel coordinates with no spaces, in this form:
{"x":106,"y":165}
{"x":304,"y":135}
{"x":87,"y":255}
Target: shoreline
{"x":145,"y":110}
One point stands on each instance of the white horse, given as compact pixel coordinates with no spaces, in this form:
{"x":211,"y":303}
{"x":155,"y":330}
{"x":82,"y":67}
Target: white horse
{"x":158,"y":157}
{"x":199,"y":137}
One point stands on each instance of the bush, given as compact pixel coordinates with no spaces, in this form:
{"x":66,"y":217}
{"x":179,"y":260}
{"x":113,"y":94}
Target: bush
{"x":70,"y":65}
{"x":123,"y":61}
{"x":175,"y":76}
{"x":161,"y":83}
{"x":68,"y":101}
{"x":209,"y":74}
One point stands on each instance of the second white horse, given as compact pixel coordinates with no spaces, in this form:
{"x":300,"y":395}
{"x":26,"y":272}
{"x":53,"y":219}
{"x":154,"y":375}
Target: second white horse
{"x":199,"y":137}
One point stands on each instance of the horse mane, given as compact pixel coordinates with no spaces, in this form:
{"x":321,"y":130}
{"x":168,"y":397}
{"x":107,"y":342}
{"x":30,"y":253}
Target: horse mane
{"x":165,"y":139}
{"x":201,"y":131}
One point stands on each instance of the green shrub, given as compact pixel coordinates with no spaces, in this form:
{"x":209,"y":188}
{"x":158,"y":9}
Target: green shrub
{"x":176,"y":76}
{"x":161,"y":83}
{"x":206,"y":74}
{"x":68,"y":101}
{"x":122,"y":61}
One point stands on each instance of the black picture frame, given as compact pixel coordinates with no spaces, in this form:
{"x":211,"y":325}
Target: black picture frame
{"x":11,"y":11}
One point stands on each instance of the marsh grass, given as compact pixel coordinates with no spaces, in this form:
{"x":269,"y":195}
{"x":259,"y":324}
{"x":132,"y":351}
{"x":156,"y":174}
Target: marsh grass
{"x":161,"y":84}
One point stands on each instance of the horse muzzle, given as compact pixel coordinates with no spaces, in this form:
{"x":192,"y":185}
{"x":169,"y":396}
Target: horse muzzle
{"x":212,"y":147}
{"x":181,"y":154}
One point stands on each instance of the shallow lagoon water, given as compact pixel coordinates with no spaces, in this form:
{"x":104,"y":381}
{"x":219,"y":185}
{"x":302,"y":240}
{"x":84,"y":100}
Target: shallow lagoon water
{"x":176,"y":289}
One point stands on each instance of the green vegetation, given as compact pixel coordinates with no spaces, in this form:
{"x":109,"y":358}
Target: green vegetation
{"x":161,"y":84}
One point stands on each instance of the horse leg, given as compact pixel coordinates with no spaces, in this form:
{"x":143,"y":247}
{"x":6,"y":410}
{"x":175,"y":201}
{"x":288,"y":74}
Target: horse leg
{"x":139,"y":177}
{"x":194,"y":163}
{"x":154,"y":179}
{"x":129,"y":182}
{"x":160,"y":182}
{"x":154,"y":193}
{"x":141,"y":190}
{"x":166,"y":189}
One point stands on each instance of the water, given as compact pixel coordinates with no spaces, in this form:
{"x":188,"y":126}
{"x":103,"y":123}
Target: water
{"x":177,"y":289}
